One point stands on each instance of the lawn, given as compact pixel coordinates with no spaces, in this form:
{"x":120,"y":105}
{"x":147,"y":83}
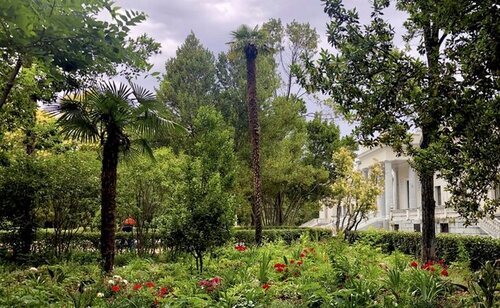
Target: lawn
{"x":304,"y":274}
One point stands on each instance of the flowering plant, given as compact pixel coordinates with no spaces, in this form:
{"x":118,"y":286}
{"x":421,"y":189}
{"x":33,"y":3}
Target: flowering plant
{"x":432,"y":266}
{"x":240,"y":247}
{"x":211,"y":284}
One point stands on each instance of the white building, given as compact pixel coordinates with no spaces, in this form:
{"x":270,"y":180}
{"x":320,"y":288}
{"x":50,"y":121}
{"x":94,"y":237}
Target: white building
{"x":399,"y":206}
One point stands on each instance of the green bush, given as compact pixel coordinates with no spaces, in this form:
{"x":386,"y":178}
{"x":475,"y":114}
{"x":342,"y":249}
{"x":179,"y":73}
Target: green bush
{"x":480,"y":249}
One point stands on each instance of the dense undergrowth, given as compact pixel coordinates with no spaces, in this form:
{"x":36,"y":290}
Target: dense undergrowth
{"x":305,"y":273}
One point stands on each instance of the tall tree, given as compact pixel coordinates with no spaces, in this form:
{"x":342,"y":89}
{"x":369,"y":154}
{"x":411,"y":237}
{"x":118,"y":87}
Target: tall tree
{"x":290,"y":43}
{"x":189,"y":81}
{"x":390,"y":92}
{"x":202,"y":215}
{"x":250,"y":41}
{"x":291,"y":183}
{"x":113,"y":116}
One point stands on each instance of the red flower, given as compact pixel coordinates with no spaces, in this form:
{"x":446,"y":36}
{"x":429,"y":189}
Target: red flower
{"x":300,"y":262}
{"x":266,"y":286}
{"x":441,"y":262}
{"x":444,"y":272}
{"x":210,"y":284}
{"x":427,"y":265}
{"x":215,"y":280}
{"x":149,"y":284}
{"x":292,"y":261}
{"x":302,"y":255}
{"x":115,"y":288}
{"x":279,"y":267}
{"x":137,"y":286}
{"x":163,"y":291}
{"x":432,"y":269}
{"x":240,"y":247}
{"x":414,"y":264}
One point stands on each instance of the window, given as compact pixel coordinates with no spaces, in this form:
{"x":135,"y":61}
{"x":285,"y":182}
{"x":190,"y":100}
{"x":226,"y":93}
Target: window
{"x":444,"y":228}
{"x":396,"y":227}
{"x":416,"y":227}
{"x":437,"y":195}
{"x":408,"y":193}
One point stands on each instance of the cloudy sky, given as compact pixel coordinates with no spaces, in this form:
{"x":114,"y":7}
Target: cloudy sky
{"x":170,"y":21}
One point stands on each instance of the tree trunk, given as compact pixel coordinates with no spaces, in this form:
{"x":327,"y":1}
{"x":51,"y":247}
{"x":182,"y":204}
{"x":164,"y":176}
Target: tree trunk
{"x":428,"y":208}
{"x":108,"y":199}
{"x":337,"y":221}
{"x":429,"y":129}
{"x":253,"y":120}
{"x":279,"y":209}
{"x":10,"y":82}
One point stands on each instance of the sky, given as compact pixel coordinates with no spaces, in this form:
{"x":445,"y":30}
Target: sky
{"x":170,"y":21}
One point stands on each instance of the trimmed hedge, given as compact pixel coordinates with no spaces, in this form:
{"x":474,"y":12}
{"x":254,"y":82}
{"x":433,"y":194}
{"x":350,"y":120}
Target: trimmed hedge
{"x":478,"y":249}
{"x":450,"y":247}
{"x":90,"y":241}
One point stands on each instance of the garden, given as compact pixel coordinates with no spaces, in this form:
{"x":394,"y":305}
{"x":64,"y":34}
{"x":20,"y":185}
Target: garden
{"x":185,"y":187}
{"x":294,"y":268}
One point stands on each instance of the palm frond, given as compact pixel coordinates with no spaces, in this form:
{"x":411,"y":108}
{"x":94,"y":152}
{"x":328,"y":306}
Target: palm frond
{"x":149,"y":123}
{"x":141,"y":94}
{"x":75,"y":120}
{"x":245,"y":36}
{"x":138,"y":147}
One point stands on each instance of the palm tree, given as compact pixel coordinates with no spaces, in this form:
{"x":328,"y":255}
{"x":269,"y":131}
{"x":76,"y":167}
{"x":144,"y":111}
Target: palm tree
{"x":117,"y":118}
{"x":250,"y":41}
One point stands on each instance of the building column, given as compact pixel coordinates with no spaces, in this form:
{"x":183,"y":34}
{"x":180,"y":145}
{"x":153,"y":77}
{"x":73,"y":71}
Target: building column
{"x":388,"y":189}
{"x":413,"y":188}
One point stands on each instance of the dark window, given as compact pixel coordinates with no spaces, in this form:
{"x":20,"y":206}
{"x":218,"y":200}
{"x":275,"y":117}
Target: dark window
{"x":437,"y":192}
{"x":408,"y":193}
{"x":444,"y":228}
{"x":396,"y":227}
{"x":416,"y":227}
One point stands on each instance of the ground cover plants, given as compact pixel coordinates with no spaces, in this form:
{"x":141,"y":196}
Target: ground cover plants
{"x":305,"y":273}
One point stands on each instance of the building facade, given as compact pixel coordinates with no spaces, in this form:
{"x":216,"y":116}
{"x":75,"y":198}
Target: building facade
{"x":399,"y":205}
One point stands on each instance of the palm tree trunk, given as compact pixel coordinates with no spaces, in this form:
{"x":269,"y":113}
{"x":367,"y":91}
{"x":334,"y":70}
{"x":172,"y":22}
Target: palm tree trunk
{"x":108,"y":200}
{"x":253,"y":120}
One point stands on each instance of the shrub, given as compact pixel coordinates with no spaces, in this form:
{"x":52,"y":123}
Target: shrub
{"x":479,"y":249}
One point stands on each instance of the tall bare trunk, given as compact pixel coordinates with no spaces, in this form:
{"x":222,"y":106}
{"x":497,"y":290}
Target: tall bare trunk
{"x":428,"y":209}
{"x":429,"y":130}
{"x":10,"y":81}
{"x":108,"y":199}
{"x":253,"y":121}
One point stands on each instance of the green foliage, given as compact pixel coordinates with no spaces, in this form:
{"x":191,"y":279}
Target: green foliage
{"x":264,"y":267}
{"x":21,"y":185}
{"x":479,"y":249}
{"x":189,"y":82}
{"x":202,"y":211}
{"x":291,"y":185}
{"x":390,"y":92}
{"x":484,"y":286}
{"x":144,"y":190}
{"x":70,"y":42}
{"x":353,"y":191}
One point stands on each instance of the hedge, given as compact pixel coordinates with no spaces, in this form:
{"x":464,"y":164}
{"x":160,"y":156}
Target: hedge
{"x":477,"y":249}
{"x":450,"y":247}
{"x":90,"y":241}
